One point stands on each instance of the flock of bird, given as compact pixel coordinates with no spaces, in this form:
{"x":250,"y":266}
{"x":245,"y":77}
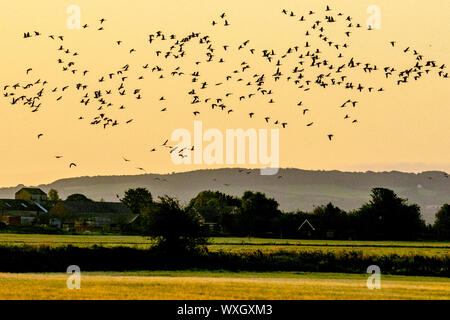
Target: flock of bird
{"x":304,"y":67}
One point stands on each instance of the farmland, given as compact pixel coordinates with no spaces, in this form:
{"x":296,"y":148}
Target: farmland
{"x":226,"y":284}
{"x":239,"y":244}
{"x":219,"y":285}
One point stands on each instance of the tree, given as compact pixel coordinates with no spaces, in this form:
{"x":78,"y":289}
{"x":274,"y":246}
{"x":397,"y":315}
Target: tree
{"x":216,"y":207}
{"x":258,"y":214}
{"x":175,"y":229}
{"x":53,"y":195}
{"x":77,"y":197}
{"x":442,"y":223}
{"x":137,"y":199}
{"x":331,"y":219}
{"x":389,"y":217}
{"x":288,"y":223}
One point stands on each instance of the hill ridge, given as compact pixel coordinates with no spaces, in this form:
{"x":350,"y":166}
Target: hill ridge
{"x":293,"y":188}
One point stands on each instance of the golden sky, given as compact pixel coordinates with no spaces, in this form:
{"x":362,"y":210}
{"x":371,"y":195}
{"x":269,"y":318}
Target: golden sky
{"x":404,"y":128}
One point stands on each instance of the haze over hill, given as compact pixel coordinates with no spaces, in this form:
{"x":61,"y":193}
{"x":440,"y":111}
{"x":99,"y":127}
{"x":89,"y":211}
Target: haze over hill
{"x":292,"y":188}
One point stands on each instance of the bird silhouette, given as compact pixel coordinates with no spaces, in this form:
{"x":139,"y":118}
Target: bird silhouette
{"x":306,"y":66}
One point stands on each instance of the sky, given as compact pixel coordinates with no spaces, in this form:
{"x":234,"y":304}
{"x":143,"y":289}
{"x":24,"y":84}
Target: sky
{"x":404,"y":128}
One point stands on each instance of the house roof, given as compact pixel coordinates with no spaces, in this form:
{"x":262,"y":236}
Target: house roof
{"x":18,"y":205}
{"x":32,"y":191}
{"x":91,"y":207}
{"x":306,"y":221}
{"x":116,"y":211}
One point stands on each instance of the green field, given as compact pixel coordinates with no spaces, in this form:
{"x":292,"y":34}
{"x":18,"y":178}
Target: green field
{"x":200,"y":285}
{"x":239,"y":244}
{"x":75,"y":240}
{"x":367,"y":247}
{"x":226,"y":285}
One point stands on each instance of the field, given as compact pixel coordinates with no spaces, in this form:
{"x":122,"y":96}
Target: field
{"x":367,"y":247}
{"x":239,"y":244}
{"x":226,"y":285}
{"x":200,"y":285}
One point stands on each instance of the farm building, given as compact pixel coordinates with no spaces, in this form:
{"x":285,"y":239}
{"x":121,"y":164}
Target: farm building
{"x":306,"y":230}
{"x":90,"y":215}
{"x":19,"y":212}
{"x":31,"y":194}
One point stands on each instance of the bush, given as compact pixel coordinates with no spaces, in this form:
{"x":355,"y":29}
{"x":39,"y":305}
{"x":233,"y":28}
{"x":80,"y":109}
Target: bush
{"x":175,"y":229}
{"x":442,"y":223}
{"x":57,"y":259}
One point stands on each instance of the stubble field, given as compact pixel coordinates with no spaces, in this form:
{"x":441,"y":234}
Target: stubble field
{"x":226,"y":285}
{"x":198,"y":285}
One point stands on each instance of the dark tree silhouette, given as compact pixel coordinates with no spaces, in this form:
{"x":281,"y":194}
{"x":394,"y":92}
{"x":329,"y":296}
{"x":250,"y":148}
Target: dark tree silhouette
{"x":442,"y":223}
{"x":330,"y":221}
{"x":174,"y":228}
{"x":137,"y":199}
{"x":216,"y":207}
{"x":77,"y":197}
{"x":387,"y":216}
{"x":53,"y":195}
{"x":258,"y":214}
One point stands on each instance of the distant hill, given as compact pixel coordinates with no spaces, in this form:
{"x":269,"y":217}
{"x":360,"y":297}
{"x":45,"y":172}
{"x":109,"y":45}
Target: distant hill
{"x":292,"y":188}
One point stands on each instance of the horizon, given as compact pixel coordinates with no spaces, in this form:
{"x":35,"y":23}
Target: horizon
{"x":223,"y":168}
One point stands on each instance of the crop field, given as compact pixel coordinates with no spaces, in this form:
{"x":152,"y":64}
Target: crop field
{"x":75,"y":240}
{"x":200,"y":285}
{"x":239,"y":244}
{"x":367,"y":247}
{"x":226,"y":285}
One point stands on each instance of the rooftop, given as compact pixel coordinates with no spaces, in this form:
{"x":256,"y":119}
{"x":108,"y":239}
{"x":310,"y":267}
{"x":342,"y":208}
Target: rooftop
{"x":18,"y":205}
{"x":32,"y":191}
{"x":96,"y":207}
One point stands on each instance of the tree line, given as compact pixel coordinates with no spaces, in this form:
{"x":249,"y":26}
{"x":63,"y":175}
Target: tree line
{"x":212,"y":213}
